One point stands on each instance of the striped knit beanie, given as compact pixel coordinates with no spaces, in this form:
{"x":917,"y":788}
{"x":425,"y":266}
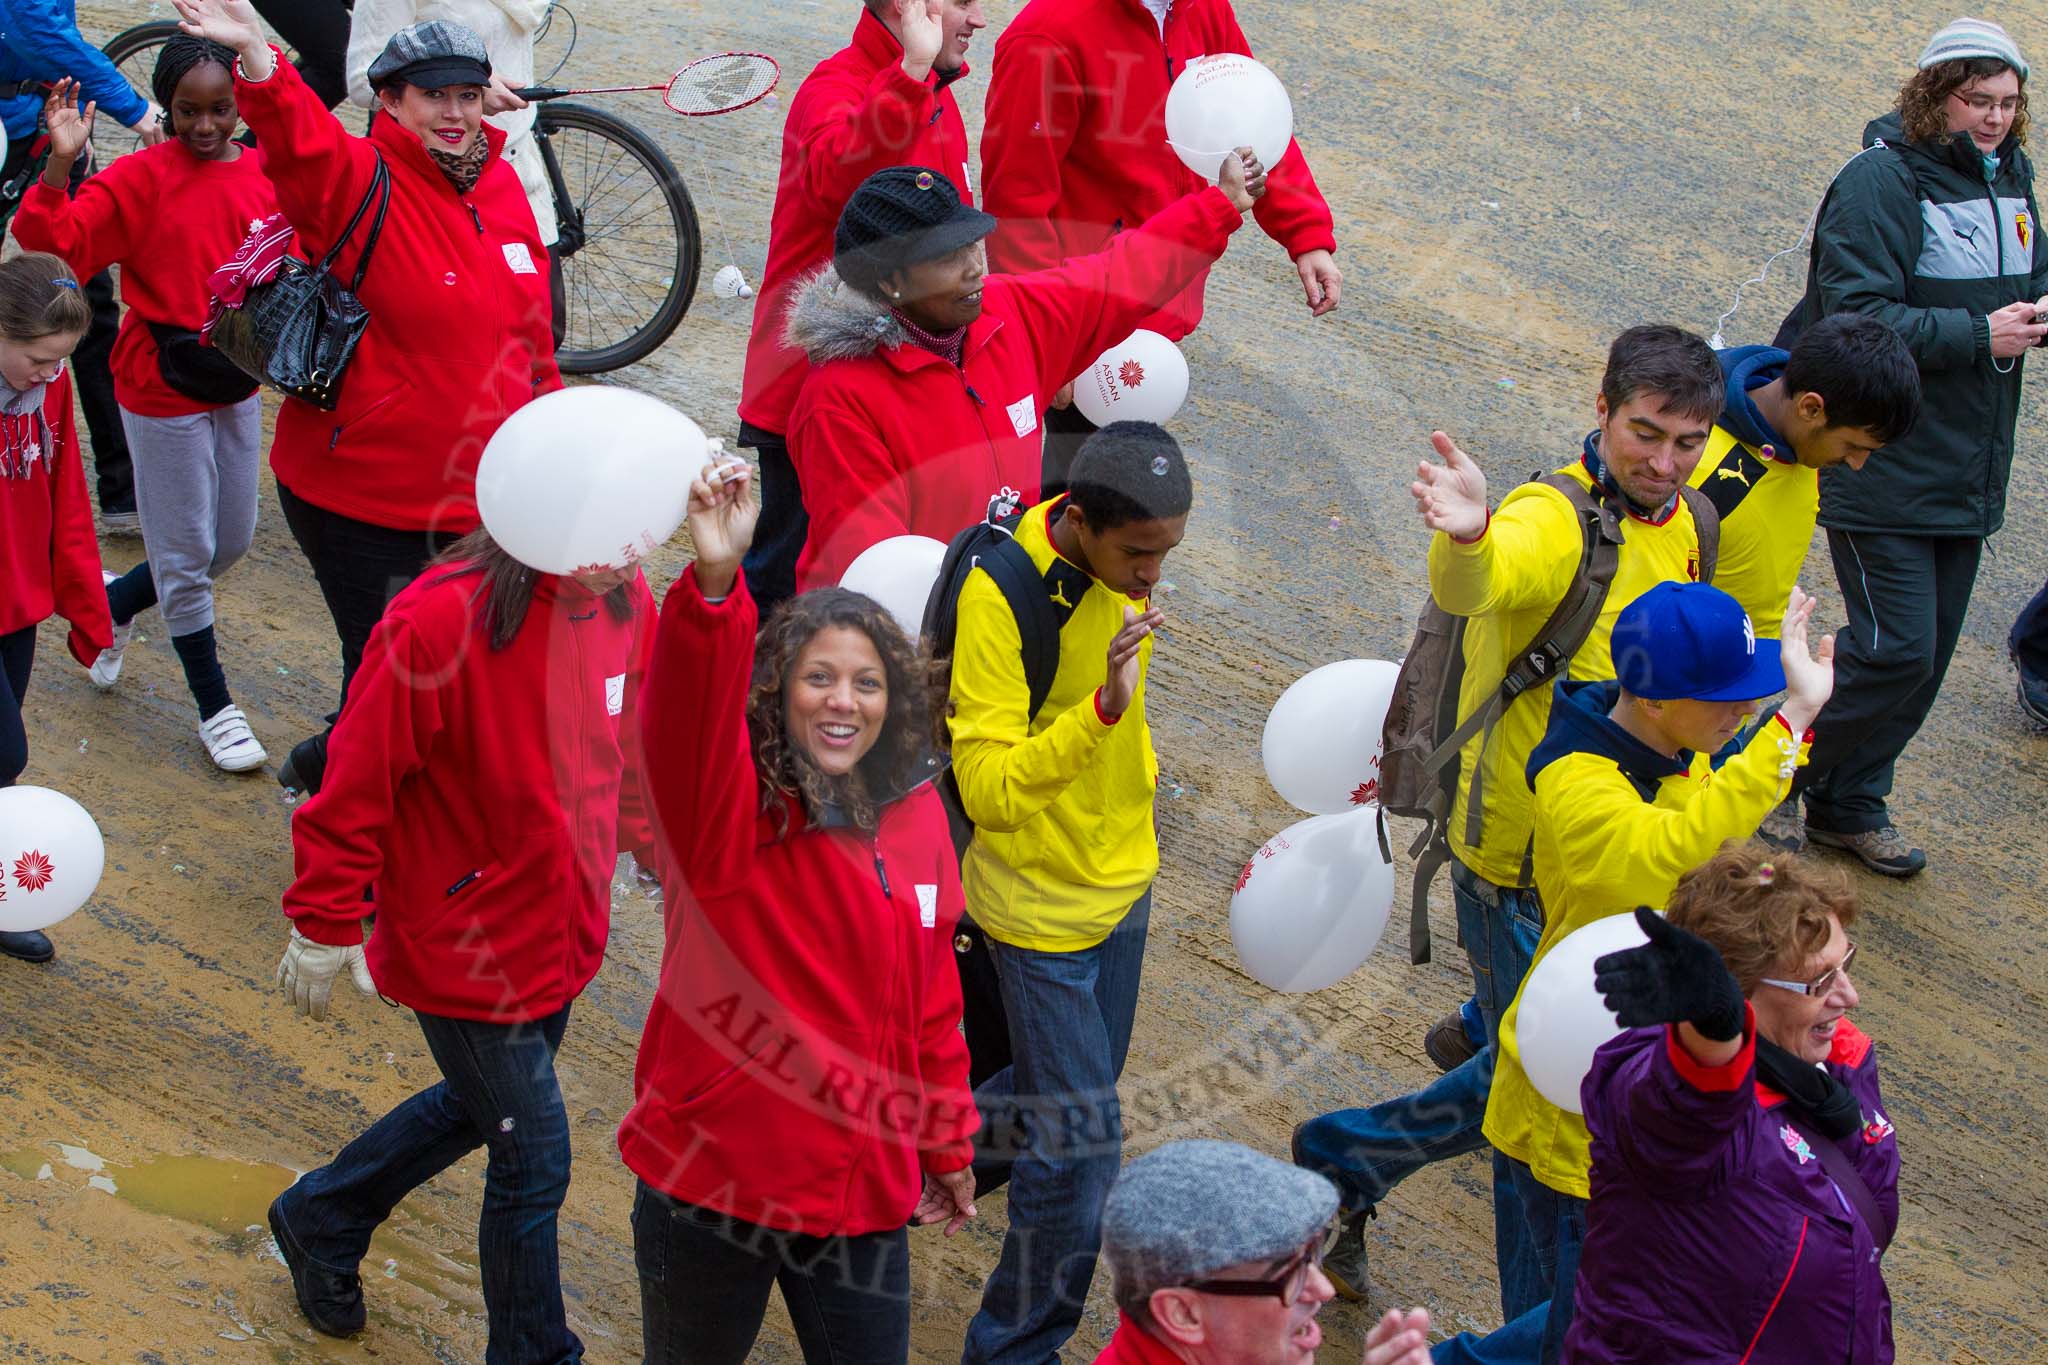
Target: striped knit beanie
{"x":1964,"y":38}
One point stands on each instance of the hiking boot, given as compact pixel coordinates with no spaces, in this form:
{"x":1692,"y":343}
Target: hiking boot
{"x":1447,"y":1043}
{"x":29,"y":945}
{"x":1785,"y":827}
{"x":1883,"y":850}
{"x":1344,"y":1257}
{"x":331,"y":1300}
{"x":106,"y":669}
{"x":230,"y":743}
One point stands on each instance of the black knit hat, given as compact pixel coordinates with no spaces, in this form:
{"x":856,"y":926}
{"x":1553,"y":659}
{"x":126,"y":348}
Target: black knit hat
{"x":899,"y":217}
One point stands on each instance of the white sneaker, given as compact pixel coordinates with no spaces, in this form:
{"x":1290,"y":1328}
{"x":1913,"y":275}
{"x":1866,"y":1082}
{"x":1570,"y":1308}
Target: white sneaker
{"x":230,"y":742}
{"x":106,"y":669}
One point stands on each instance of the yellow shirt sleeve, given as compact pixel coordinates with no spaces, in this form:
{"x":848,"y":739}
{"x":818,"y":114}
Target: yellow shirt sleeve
{"x":1525,"y":558}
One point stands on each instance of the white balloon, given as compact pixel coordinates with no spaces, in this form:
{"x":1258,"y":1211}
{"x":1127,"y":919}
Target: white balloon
{"x":898,"y":573}
{"x":1310,"y":905}
{"x":588,"y":478}
{"x":1222,"y":102}
{"x":51,"y":857}
{"x":1143,"y":378}
{"x":1322,"y":740}
{"x":1561,"y":1021}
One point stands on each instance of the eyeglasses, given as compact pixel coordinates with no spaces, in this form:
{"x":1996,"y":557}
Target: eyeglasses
{"x":1981,"y":105}
{"x":1821,"y":984}
{"x":1286,"y":1286}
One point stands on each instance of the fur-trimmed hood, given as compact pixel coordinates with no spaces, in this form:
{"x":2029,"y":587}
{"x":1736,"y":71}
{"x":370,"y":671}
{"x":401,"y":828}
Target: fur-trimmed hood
{"x":830,"y":320}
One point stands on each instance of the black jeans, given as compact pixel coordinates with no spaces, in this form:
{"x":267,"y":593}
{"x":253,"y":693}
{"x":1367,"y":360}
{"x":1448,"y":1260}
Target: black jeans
{"x":17,"y":657}
{"x":499,"y":1092}
{"x":360,"y":567}
{"x":112,"y":469}
{"x":318,"y":30}
{"x":705,"y":1277}
{"x":1906,"y":598}
{"x":779,"y":536}
{"x":2029,"y":637}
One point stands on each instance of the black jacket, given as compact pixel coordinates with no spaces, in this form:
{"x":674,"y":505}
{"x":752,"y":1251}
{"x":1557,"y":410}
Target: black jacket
{"x":1916,"y":234}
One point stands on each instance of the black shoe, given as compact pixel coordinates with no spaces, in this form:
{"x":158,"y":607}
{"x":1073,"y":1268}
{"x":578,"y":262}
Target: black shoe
{"x":305,"y":766}
{"x":1447,"y":1043}
{"x":2033,"y":697}
{"x":331,"y":1300}
{"x":30,"y":945}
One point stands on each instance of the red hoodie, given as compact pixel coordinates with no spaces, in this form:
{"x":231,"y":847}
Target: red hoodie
{"x":1075,"y":145}
{"x":49,"y":553}
{"x":889,"y":439}
{"x":460,"y":333}
{"x":855,"y":114}
{"x":168,"y":219}
{"x":485,"y":794}
{"x":802,"y":1065}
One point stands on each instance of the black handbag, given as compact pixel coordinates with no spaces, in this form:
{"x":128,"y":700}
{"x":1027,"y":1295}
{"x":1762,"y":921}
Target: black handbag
{"x":298,"y":332}
{"x":196,"y":370}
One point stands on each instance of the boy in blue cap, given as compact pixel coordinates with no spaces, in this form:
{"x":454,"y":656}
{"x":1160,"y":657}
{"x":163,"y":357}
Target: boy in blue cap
{"x":1634,"y":789}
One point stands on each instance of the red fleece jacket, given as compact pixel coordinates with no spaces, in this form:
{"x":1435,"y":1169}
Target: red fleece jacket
{"x":485,"y":794}
{"x":889,"y":440}
{"x":1075,"y":146}
{"x":855,"y":114}
{"x":49,"y":553}
{"x":460,"y":333}
{"x":802,"y":1065}
{"x":168,"y":219}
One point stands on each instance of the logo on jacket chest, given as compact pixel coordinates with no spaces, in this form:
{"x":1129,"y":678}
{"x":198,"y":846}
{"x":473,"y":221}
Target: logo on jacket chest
{"x":520,"y":259}
{"x":1794,"y":1143}
{"x":615,"y":695}
{"x":1876,"y":1128}
{"x":928,"y":905}
{"x":1024,"y":414}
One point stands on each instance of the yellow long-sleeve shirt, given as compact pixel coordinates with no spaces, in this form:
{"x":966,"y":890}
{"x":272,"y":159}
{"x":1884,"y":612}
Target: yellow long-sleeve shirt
{"x":1062,"y":803}
{"x":1603,"y":849}
{"x":1507,"y":583}
{"x":1768,"y":508}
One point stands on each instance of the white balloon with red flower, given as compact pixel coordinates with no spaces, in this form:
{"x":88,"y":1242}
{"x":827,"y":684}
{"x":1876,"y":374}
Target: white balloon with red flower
{"x":51,"y":857}
{"x":1322,"y":740}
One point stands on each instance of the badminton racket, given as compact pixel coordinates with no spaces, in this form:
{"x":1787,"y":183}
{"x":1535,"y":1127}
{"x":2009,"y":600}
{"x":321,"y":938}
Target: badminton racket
{"x":707,"y":86}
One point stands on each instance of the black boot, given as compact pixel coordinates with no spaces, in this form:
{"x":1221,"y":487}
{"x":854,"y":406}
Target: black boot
{"x":305,"y":766}
{"x":332,"y":1301}
{"x":30,"y":945}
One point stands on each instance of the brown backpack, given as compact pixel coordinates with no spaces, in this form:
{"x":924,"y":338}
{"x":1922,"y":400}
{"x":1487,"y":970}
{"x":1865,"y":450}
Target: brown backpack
{"x":1424,"y":736}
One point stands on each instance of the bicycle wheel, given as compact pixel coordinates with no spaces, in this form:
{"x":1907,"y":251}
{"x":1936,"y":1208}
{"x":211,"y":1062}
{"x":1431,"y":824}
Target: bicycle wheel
{"x":133,"y":52}
{"x":629,"y":243}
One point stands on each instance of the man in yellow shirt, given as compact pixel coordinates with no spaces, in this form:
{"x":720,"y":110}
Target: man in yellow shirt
{"x":1629,"y":799}
{"x":1506,"y":571}
{"x":1060,"y":869}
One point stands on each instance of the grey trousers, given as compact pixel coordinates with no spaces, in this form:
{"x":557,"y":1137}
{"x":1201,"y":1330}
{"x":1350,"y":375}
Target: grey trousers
{"x":195,"y":486}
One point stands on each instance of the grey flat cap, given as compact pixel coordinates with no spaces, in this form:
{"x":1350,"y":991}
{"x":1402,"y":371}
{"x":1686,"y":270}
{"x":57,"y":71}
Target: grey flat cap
{"x":1188,"y":1209}
{"x":433,"y":55}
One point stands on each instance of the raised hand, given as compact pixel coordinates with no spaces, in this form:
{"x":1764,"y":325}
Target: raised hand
{"x":232,"y":24}
{"x":1121,"y":683}
{"x":922,"y":31}
{"x":1450,"y":496}
{"x":1242,"y":176}
{"x":1809,"y":677}
{"x":1676,"y":978}
{"x":722,"y":514}
{"x":69,"y":126}
{"x":1399,"y":1338}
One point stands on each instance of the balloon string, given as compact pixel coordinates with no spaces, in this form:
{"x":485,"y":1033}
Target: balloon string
{"x":717,"y":220}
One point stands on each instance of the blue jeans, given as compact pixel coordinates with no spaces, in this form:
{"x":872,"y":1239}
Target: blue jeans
{"x":1366,"y":1152}
{"x":1070,"y":1020}
{"x":1518,"y":1342}
{"x":1554,"y":1224}
{"x":499,"y":1091}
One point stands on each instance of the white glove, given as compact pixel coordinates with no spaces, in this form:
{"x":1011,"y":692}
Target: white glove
{"x":308,"y":970}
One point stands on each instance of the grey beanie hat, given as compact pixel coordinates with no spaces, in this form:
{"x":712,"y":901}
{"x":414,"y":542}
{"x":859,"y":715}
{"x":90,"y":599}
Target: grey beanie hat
{"x":1187,"y":1210}
{"x":433,"y":56}
{"x":1962,"y":38}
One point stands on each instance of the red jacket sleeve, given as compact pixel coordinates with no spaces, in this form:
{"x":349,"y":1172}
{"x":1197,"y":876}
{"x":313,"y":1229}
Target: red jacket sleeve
{"x":75,"y":582}
{"x":636,"y":825}
{"x":99,"y":225}
{"x":1072,"y":312}
{"x":950,"y":1118}
{"x":854,"y":491}
{"x":1033,"y":111}
{"x":320,"y":170}
{"x":851,"y":131}
{"x":1292,"y":210}
{"x":384,"y":735}
{"x":693,"y":723}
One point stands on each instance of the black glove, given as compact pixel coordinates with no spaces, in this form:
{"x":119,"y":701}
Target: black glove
{"x":1676,"y":977}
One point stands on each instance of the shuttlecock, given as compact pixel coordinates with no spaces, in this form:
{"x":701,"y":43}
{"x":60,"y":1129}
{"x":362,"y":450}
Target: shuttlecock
{"x":729,"y":283}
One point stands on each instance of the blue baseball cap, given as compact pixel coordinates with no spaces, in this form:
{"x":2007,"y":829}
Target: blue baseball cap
{"x":1691,"y":641}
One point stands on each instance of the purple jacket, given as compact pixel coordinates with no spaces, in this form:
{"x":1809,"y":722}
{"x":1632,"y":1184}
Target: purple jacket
{"x":1715,"y":1233}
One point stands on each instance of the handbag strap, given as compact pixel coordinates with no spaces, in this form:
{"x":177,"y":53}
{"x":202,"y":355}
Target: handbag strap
{"x":1843,"y":1172}
{"x":380,"y":192}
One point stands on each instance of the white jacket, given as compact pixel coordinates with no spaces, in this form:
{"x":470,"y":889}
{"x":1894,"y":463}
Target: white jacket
{"x":507,"y":28}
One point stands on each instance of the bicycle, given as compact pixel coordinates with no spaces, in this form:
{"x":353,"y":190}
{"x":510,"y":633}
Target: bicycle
{"x":629,"y":266}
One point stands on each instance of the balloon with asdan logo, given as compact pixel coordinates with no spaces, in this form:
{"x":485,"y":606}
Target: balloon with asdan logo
{"x":1143,"y":378}
{"x":51,"y":857}
{"x":1311,"y":904}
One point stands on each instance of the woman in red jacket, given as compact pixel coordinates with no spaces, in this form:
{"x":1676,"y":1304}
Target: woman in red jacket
{"x":930,"y":373}
{"x":194,"y":422}
{"x":801,"y":1091}
{"x":49,"y":558}
{"x":483,"y":787}
{"x":460,"y":333}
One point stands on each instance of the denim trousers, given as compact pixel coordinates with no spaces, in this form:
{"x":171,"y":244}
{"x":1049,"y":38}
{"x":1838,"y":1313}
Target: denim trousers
{"x":1070,"y":1018}
{"x":498,"y":1090}
{"x":1554,"y":1227}
{"x":705,"y":1277}
{"x":1366,"y":1152}
{"x":1518,"y":1342}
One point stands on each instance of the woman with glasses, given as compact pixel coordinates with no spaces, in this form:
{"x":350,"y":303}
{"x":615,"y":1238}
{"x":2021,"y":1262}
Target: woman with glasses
{"x":1745,"y":1173}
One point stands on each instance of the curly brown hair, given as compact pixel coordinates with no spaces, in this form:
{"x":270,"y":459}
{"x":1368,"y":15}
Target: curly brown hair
{"x":901,"y":758}
{"x":1767,"y":912}
{"x":1923,"y":100}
